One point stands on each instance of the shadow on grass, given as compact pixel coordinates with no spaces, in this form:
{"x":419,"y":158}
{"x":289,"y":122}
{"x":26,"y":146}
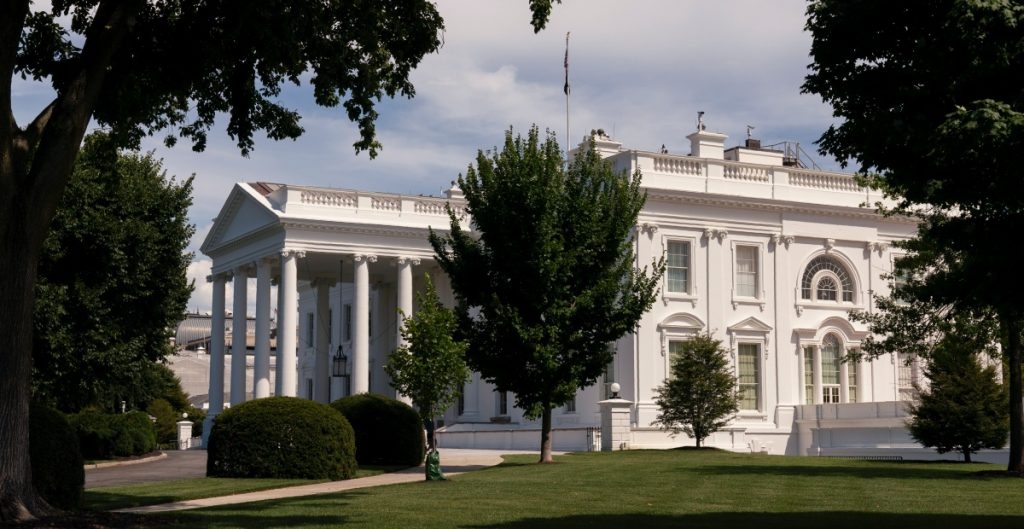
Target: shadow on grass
{"x":796,"y":520}
{"x":848,"y":469}
{"x":104,"y":501}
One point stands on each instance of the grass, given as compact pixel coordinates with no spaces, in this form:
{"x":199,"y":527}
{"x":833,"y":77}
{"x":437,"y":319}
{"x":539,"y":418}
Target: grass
{"x":120,"y":497}
{"x":655,"y":489}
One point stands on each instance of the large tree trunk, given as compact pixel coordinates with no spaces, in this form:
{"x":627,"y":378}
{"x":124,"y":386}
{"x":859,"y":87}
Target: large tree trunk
{"x":1010,"y":321}
{"x":18,"y":255}
{"x":35,"y":164}
{"x":545,"y":435}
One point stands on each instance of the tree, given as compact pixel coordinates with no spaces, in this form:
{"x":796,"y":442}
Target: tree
{"x":142,"y":67}
{"x":112,"y":282}
{"x":700,"y":395}
{"x":925,"y":111}
{"x":546,"y":281}
{"x":964,"y":407}
{"x":431,"y":369}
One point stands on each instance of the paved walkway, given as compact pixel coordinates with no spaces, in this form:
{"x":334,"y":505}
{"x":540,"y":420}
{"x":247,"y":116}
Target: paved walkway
{"x":188,"y":463}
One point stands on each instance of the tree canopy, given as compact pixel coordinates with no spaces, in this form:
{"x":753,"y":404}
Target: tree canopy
{"x":546,"y":281}
{"x":141,"y":67}
{"x":700,"y":395}
{"x":112,"y":280}
{"x":931,"y":110}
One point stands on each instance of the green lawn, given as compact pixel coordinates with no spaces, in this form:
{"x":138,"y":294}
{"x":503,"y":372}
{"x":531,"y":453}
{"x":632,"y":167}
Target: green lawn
{"x":656,"y":489}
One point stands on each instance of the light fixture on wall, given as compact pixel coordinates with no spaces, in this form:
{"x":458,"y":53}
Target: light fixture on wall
{"x":340,"y":363}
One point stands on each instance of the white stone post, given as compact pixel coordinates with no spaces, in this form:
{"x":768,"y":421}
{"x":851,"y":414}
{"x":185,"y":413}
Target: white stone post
{"x":322,"y":366}
{"x":360,"y":382}
{"x":287,"y":291}
{"x":615,"y":424}
{"x":238,"y":336}
{"x":261,"y":360}
{"x":216,"y":394}
{"x":184,"y":435}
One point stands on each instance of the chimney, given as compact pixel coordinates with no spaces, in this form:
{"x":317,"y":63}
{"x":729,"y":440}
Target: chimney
{"x":704,"y":144}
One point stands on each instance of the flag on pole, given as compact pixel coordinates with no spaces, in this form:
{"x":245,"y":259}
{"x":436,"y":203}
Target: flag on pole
{"x":566,"y":88}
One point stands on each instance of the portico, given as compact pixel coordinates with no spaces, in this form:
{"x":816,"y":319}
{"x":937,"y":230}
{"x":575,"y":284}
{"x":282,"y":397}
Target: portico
{"x":351,"y":252}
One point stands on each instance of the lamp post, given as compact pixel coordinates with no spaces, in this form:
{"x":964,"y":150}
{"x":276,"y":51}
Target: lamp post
{"x":339,"y":366}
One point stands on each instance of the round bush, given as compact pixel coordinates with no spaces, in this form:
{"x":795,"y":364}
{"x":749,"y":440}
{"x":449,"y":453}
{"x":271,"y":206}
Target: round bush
{"x":134,"y":434}
{"x":281,"y":437}
{"x":95,"y":434}
{"x":57,"y":470}
{"x":388,"y":431}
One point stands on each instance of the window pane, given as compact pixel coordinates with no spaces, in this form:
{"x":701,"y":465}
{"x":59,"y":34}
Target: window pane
{"x":809,"y":375}
{"x":749,"y":376}
{"x":851,"y":380}
{"x":827,"y":289}
{"x":746,"y":271}
{"x":678,"y":266}
{"x":830,"y":360}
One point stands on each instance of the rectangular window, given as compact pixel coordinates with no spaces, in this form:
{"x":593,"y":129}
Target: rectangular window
{"x":675,"y":347}
{"x":501,"y":403}
{"x":609,"y":378}
{"x":346,"y":324}
{"x":851,"y":380}
{"x":462,"y":401}
{"x":830,"y":378}
{"x":746,"y":271}
{"x":570,"y":405}
{"x":908,"y":376}
{"x":330,"y":326}
{"x":309,"y":388}
{"x":309,"y":329}
{"x":808,"y":375}
{"x":750,"y":374}
{"x":677,"y":269}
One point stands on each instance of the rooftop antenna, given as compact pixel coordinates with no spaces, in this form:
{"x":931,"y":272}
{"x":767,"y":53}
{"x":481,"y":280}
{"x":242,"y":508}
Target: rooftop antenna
{"x":700,"y":121}
{"x":749,"y":129}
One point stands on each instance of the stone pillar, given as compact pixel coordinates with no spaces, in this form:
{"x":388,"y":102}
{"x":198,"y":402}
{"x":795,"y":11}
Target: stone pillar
{"x":322,"y":366}
{"x":261,"y":358}
{"x":184,"y":434}
{"x":216,"y":394}
{"x":844,"y":382}
{"x":238,"y":336}
{"x":360,"y":382}
{"x":615,"y":424}
{"x":287,"y":292}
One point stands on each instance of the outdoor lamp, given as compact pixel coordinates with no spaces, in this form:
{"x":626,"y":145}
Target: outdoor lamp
{"x":340,"y":363}
{"x":615,"y":389}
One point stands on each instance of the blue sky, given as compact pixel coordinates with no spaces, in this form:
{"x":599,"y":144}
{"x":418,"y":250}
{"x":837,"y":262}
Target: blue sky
{"x":640,"y":70}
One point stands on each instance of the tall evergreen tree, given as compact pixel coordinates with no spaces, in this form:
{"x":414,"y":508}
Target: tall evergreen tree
{"x":112,"y":281}
{"x":963,"y":409}
{"x":700,"y":395}
{"x":546,"y":281}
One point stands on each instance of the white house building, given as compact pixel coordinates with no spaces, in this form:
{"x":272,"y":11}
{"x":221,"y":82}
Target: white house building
{"x":767,"y":255}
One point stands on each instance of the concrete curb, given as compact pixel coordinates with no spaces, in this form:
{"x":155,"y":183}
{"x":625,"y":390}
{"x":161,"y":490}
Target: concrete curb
{"x":146,"y":459}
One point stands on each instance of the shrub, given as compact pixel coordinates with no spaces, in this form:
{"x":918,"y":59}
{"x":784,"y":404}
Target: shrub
{"x":95,"y":434}
{"x":134,"y":434}
{"x":166,"y":420}
{"x":57,"y":470}
{"x":281,"y":437}
{"x":388,"y":431}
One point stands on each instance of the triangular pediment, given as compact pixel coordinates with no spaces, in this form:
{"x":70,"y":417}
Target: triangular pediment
{"x":750,"y":325}
{"x":244,"y":212}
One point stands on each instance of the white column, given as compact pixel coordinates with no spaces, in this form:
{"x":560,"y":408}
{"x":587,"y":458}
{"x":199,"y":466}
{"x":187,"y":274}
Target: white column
{"x":261,"y":360}
{"x":238,"y":336}
{"x":287,"y":292}
{"x":801,"y":393}
{"x":816,"y":363}
{"x":361,"y":333}
{"x":405,"y":265}
{"x":844,"y":382}
{"x":322,"y":366}
{"x":216,"y":394}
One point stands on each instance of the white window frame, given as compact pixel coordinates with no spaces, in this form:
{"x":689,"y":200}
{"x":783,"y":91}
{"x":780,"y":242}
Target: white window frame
{"x":758,"y":374}
{"x":677,"y":327}
{"x":814,"y":301}
{"x":759,"y":291}
{"x":691,"y":284}
{"x":752,"y":331}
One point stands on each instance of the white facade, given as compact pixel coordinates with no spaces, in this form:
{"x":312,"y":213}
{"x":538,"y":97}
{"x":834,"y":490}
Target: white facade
{"x":768,"y":256}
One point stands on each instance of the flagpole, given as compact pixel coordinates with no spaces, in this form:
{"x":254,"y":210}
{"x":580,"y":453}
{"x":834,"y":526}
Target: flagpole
{"x":568,"y":144}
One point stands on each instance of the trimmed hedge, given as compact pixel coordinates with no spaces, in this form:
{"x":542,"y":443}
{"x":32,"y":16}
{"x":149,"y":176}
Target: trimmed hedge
{"x":105,"y":435}
{"x":57,"y":470}
{"x":388,"y":431}
{"x":281,"y":437}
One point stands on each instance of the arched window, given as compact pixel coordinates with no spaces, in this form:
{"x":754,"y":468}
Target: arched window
{"x":825,"y":279}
